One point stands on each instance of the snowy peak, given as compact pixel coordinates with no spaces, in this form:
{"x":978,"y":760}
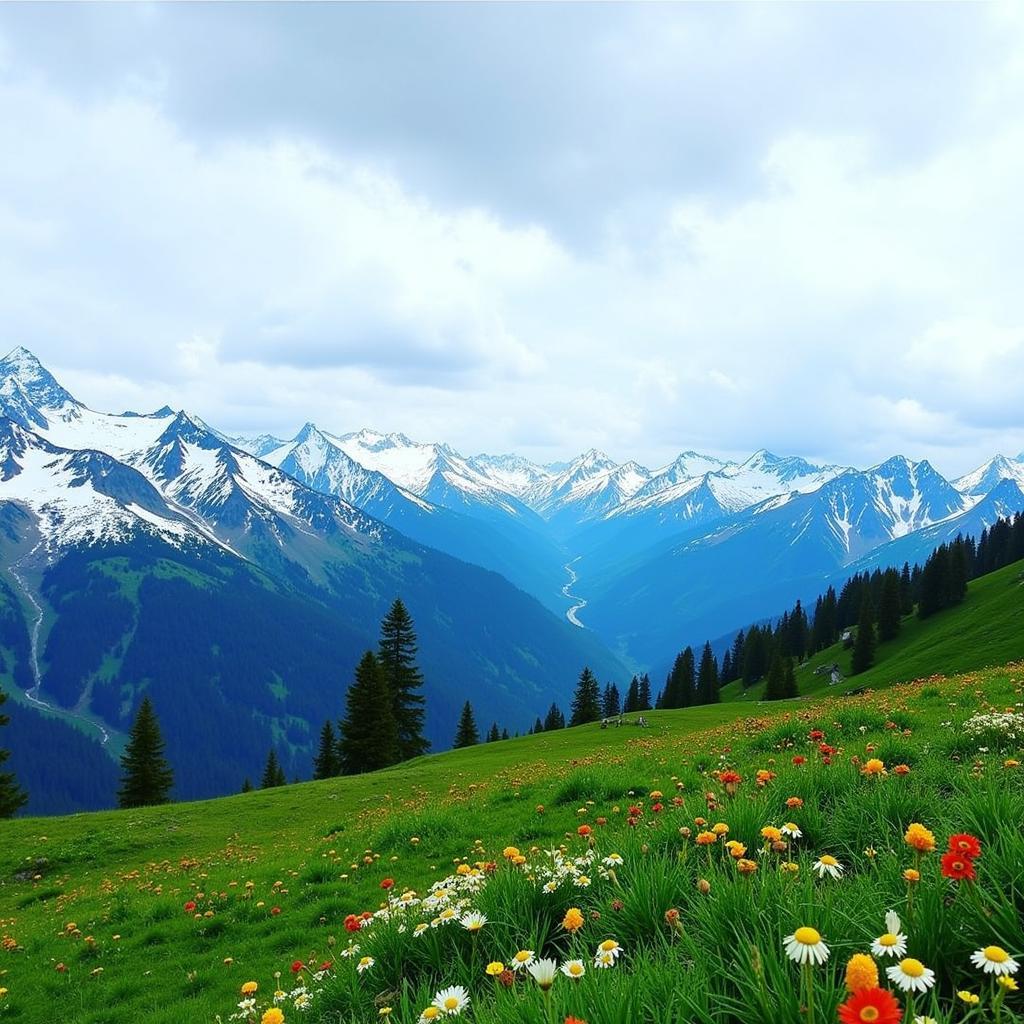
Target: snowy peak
{"x":988,"y":476}
{"x":511,"y":473}
{"x":34,"y":381}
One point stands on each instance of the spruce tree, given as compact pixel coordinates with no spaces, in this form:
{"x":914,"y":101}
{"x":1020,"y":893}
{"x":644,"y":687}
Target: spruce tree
{"x":246,"y":785}
{"x":273,"y":773}
{"x":864,"y":645}
{"x":775,"y":684}
{"x":369,"y":733}
{"x":538,"y":727}
{"x":707,"y":677}
{"x":586,"y":702}
{"x":494,"y":735}
{"x":325,"y":764}
{"x":397,"y":656}
{"x":890,"y":607}
{"x":789,"y":686}
{"x":466,"y":734}
{"x":632,"y":701}
{"x":12,"y":796}
{"x":553,"y":720}
{"x":611,"y":703}
{"x":644,"y":693}
{"x":146,"y":777}
{"x":504,"y":734}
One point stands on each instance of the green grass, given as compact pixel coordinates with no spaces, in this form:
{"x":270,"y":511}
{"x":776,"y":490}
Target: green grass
{"x":318,"y":851}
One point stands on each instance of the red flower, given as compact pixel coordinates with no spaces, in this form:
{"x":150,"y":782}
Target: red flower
{"x":388,"y":883}
{"x":190,"y":907}
{"x":966,"y":845}
{"x":575,"y":1020}
{"x":874,"y":1005}
{"x":957,"y":866}
{"x":274,"y":911}
{"x":656,"y":808}
{"x":584,"y":830}
{"x":799,"y":759}
{"x":816,"y":734}
{"x":297,"y":966}
{"x":352,"y":923}
{"x":326,"y":965}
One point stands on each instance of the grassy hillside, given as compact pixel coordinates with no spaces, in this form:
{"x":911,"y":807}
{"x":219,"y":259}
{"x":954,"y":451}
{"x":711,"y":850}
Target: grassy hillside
{"x":93,"y":907}
{"x":986,"y":629}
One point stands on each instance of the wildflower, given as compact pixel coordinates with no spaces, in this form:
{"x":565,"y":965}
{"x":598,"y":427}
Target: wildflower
{"x":791,"y":830}
{"x":522,"y":959}
{"x":920,"y":1019}
{"x":573,"y":969}
{"x":297,"y":966}
{"x":190,"y":906}
{"x":272,"y":1016}
{"x":573,"y":920}
{"x":720,"y":828}
{"x":583,"y":831}
{"x":893,"y":942}
{"x":805,"y":946}
{"x":966,"y":845}
{"x":1007,"y":983}
{"x":365,"y":963}
{"x":706,"y":838}
{"x":745,"y":866}
{"x":873,"y":766}
{"x":826,"y":864}
{"x":911,"y":975}
{"x":957,"y":866}
{"x":874,"y":1005}
{"x":994,"y":960}
{"x":794,"y":802}
{"x":473,"y":921}
{"x":452,"y":1000}
{"x":789,"y":867}
{"x":249,"y":988}
{"x":799,"y":759}
{"x":607,"y":953}
{"x":861,"y":973}
{"x":970,"y":998}
{"x":703,"y":886}
{"x":912,"y":876}
{"x":574,"y":1020}
{"x":494,"y":968}
{"x":428,"y":1014}
{"x":543,"y":972}
{"x":901,"y":769}
{"x":771,"y":834}
{"x":510,"y":853}
{"x":919,"y":838}
{"x":419,"y":929}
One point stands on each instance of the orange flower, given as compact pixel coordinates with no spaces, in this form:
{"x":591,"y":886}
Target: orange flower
{"x":919,"y":838}
{"x":901,"y":769}
{"x":573,"y":920}
{"x":794,"y":801}
{"x":584,"y":831}
{"x":706,"y":838}
{"x":746,"y":867}
{"x":861,"y":972}
{"x":911,"y":876}
{"x":873,"y":767}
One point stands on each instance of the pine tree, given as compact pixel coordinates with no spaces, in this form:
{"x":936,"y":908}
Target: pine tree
{"x":325,"y":764}
{"x":632,"y":701}
{"x":906,"y":591}
{"x":246,"y":785}
{"x":397,"y":657}
{"x":775,"y":684}
{"x":504,"y":734}
{"x":586,"y":703}
{"x":273,"y":773}
{"x":890,"y":607}
{"x":726,"y":673}
{"x":538,"y":727}
{"x":146,"y":777}
{"x":494,"y":735}
{"x":12,"y":796}
{"x":466,"y":735}
{"x":644,"y":693}
{"x":789,"y":688}
{"x":369,"y":733}
{"x":864,"y":645}
{"x":707,"y":677}
{"x":553,"y":720}
{"x":611,"y":703}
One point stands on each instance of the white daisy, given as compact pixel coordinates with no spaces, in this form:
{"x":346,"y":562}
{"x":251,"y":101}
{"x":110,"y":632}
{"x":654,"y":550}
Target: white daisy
{"x":573,"y":969}
{"x":613,"y":860}
{"x":911,"y":975}
{"x":994,"y":960}
{"x":889,"y":944}
{"x":828,"y":865}
{"x":365,"y":964}
{"x":452,"y":1001}
{"x":473,"y":922}
{"x":805,"y":946}
{"x":791,"y":830}
{"x":609,"y":949}
{"x":522,"y":959}
{"x":543,"y":972}
{"x":604,"y":959}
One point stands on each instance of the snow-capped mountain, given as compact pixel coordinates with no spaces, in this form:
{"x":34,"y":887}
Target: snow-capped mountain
{"x":588,"y":487}
{"x":983,"y":479}
{"x":512,"y":473}
{"x":261,"y":445}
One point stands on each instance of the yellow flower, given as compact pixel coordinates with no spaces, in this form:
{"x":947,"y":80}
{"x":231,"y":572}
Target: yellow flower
{"x":970,"y":998}
{"x":573,"y":920}
{"x":720,"y":829}
{"x":771,"y":834}
{"x":494,"y":968}
{"x":1005,"y":981}
{"x":249,"y":988}
{"x":706,"y":838}
{"x":272,"y":1016}
{"x":912,"y":876}
{"x":919,"y":838}
{"x":861,"y":972}
{"x":510,"y":852}
{"x":873,"y":766}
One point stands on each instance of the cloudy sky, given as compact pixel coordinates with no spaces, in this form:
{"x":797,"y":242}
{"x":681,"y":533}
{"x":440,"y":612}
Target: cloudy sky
{"x":531,"y":228}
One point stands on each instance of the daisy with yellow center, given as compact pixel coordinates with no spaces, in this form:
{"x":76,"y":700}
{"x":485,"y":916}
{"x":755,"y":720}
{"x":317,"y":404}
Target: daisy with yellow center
{"x":791,"y":830}
{"x":522,"y":959}
{"x":365,"y":963}
{"x":473,"y":922}
{"x":429,"y":1014}
{"x":893,"y":942}
{"x":452,"y":1001}
{"x":994,"y":960}
{"x":911,"y":975}
{"x":805,"y":946}
{"x":573,"y":969}
{"x":543,"y":972}
{"x":826,"y":864}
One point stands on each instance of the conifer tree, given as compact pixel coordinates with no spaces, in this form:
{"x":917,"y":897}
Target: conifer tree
{"x":553,"y":720}
{"x":611,"y":704}
{"x":397,"y":657}
{"x":632,"y":701}
{"x":146,"y":777}
{"x":504,"y":734}
{"x":326,"y":764}
{"x":789,"y":688}
{"x":707,"y":677}
{"x":890,"y":607}
{"x":369,"y":734}
{"x":775,"y":683}
{"x":864,"y":645}
{"x":493,"y":736}
{"x":466,"y":735}
{"x":273,"y":773}
{"x":12,"y":796}
{"x":246,"y":785}
{"x":586,"y":702}
{"x":538,"y":727}
{"x":644,"y":693}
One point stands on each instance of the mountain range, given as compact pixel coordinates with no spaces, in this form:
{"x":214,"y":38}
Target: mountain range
{"x":238,"y":579}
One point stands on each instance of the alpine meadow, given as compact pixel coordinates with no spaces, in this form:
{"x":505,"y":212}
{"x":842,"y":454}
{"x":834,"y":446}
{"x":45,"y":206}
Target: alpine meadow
{"x":509,"y":513}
